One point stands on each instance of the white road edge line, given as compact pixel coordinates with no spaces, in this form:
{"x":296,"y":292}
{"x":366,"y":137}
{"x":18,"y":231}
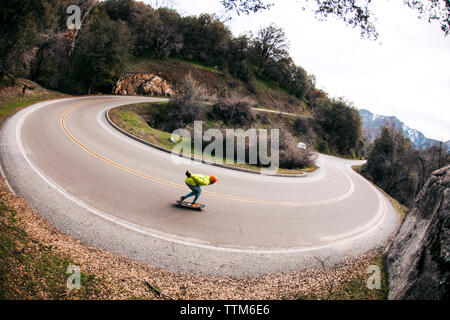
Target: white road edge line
{"x":164,"y":237}
{"x":6,"y":181}
{"x":375,"y":221}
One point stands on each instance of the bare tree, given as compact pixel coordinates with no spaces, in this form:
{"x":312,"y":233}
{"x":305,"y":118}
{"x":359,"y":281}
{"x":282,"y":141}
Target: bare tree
{"x":168,"y":39}
{"x":330,"y":281}
{"x":90,"y":4}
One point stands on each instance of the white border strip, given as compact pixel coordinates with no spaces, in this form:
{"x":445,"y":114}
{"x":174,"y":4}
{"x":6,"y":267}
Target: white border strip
{"x":6,"y":180}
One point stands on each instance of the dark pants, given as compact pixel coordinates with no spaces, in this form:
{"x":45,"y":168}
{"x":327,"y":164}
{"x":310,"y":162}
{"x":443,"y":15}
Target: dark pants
{"x":196,"y":191}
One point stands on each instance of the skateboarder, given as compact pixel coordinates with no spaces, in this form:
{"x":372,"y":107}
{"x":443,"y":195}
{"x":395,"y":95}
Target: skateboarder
{"x":195,"y":182}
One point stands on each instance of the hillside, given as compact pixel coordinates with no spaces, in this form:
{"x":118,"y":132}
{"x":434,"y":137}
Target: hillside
{"x":217,"y":83}
{"x":329,"y":125}
{"x":372,"y":125}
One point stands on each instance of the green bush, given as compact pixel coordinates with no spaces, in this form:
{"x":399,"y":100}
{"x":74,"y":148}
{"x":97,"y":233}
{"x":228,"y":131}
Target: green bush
{"x":187,"y":107}
{"x":291,"y":157}
{"x":339,"y":125}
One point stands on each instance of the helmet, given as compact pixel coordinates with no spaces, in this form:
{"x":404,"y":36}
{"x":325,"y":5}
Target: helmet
{"x":213,"y":179}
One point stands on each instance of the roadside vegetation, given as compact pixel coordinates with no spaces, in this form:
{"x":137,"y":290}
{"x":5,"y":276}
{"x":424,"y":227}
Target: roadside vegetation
{"x":14,"y":98}
{"x":354,"y":288}
{"x":398,"y":168}
{"x":32,"y":270}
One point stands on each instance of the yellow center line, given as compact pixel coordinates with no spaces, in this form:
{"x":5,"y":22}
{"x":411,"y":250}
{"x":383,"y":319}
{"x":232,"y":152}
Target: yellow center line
{"x":164,"y":182}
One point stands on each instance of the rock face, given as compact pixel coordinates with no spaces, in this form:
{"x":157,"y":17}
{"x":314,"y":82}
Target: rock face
{"x":418,"y":261}
{"x":142,"y":84}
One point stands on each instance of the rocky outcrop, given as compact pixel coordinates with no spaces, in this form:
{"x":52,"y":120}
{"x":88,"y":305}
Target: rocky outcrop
{"x":418,"y":260}
{"x":143,"y":84}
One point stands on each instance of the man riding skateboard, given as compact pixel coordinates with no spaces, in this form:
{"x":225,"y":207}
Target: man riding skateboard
{"x":195,"y":182}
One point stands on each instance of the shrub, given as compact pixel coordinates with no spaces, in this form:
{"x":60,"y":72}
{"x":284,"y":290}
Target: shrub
{"x":233,"y":112}
{"x":301,"y":126}
{"x":291,"y":157}
{"x":187,"y":107}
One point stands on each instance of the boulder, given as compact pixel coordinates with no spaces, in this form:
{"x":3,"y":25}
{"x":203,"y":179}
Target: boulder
{"x":143,"y":84}
{"x":418,"y":260}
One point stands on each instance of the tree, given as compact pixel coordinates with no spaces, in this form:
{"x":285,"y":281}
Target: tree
{"x":237,"y":61}
{"x":400,"y":169}
{"x":269,"y":45}
{"x":339,"y":125}
{"x":168,"y":38}
{"x":90,"y":4}
{"x":244,"y":6}
{"x":355,"y":13}
{"x":389,"y":165}
{"x":102,"y":51}
{"x":433,"y":10}
{"x":296,"y":80}
{"x":118,"y":9}
{"x":206,"y":38}
{"x":23,"y":23}
{"x":187,"y":106}
{"x":142,"y":20}
{"x":144,"y":25}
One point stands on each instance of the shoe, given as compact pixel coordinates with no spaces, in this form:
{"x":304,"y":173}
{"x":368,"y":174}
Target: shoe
{"x":195,"y":204}
{"x":181,"y":199}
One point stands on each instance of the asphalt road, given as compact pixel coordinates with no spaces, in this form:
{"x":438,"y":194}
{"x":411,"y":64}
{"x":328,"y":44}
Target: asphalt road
{"x":110,"y":191}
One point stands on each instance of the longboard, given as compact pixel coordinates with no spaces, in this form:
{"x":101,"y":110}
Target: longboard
{"x":185,"y":204}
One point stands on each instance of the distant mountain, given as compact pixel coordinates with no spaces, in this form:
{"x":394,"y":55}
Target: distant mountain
{"x":373,"y":123}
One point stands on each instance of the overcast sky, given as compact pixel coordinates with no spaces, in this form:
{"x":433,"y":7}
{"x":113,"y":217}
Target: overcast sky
{"x":405,"y":73}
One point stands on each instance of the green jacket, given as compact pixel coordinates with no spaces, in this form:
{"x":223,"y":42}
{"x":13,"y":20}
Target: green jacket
{"x":198,"y":180}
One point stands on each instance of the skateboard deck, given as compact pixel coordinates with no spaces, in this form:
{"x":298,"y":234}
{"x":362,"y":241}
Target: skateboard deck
{"x":185,"y":204}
